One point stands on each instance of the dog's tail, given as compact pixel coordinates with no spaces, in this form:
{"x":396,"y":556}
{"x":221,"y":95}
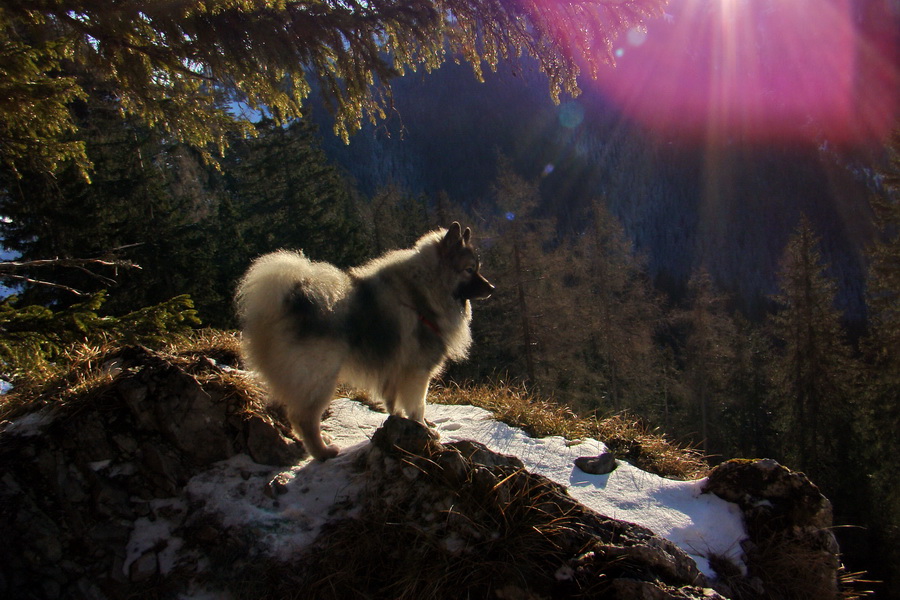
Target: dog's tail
{"x":272,"y":278}
{"x":261,"y":291}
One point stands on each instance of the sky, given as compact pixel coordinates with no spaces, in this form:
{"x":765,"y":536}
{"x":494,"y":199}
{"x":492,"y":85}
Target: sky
{"x":312,"y":492}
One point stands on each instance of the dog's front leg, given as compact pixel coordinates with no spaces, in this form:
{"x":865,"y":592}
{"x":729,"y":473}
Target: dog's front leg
{"x":412,"y":395}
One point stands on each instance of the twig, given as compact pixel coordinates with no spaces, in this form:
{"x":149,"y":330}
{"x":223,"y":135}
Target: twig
{"x":47,"y":283}
{"x":81,"y":264}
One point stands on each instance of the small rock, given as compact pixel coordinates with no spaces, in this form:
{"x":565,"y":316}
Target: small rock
{"x":145,"y":567}
{"x":276,"y":487}
{"x":597,"y":465}
{"x":476,"y":452}
{"x":453,"y":467}
{"x":405,"y":436}
{"x":268,"y":447}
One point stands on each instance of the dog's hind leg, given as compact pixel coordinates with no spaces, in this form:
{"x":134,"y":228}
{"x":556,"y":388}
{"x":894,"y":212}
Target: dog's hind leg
{"x":305,"y":415}
{"x":411,"y":394}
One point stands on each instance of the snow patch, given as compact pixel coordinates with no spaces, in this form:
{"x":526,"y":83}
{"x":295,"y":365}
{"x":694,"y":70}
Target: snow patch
{"x":29,"y":425}
{"x":702,"y":525}
{"x":288,"y":506}
{"x":155,"y":534}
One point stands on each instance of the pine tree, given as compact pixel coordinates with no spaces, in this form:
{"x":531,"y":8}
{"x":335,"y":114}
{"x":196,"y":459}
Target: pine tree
{"x":511,"y":327}
{"x":813,"y":370}
{"x":708,"y":356}
{"x":882,"y":394}
{"x":166,"y":63}
{"x":129,"y":206}
{"x":614,"y":317}
{"x":397,"y":218}
{"x":289,"y":196}
{"x":747,"y":419}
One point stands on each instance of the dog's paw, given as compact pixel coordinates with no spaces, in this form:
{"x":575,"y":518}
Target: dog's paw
{"x":331,"y":450}
{"x":323,"y":452}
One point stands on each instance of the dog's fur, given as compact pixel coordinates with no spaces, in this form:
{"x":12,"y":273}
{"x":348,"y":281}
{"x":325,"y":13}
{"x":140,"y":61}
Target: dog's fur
{"x":387,"y":326}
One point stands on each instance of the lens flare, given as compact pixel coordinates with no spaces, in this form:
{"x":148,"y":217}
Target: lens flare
{"x":763,"y":69}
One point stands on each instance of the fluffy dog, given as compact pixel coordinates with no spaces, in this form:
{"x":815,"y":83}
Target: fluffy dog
{"x":387,"y":326}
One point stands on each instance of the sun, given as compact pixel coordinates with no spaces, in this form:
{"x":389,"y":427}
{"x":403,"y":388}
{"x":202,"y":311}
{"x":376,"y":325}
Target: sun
{"x":759,"y":69}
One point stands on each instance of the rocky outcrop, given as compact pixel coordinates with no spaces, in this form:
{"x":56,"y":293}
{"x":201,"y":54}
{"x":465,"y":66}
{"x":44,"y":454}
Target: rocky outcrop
{"x":788,"y":522}
{"x":457,"y":520}
{"x":77,"y":477}
{"x":109,"y":495}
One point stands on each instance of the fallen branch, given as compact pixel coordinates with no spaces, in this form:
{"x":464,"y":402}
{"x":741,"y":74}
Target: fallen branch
{"x":81,"y":264}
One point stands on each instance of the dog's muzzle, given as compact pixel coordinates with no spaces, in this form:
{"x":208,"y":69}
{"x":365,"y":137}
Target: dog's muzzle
{"x":477,"y":288}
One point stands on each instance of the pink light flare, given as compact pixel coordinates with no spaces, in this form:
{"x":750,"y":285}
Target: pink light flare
{"x":763,"y":70}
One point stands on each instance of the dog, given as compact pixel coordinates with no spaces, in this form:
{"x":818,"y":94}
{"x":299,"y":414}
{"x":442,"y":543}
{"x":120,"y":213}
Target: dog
{"x":388,"y":326}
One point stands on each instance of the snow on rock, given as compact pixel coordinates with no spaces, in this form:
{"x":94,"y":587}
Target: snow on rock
{"x":288,"y":506}
{"x":312,"y":493}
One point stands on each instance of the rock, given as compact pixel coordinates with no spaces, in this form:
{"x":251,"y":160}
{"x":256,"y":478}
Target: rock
{"x":478,"y":453}
{"x":468,"y":507}
{"x":276,"y":487}
{"x":431,"y":517}
{"x":144,"y":567}
{"x":404,"y":436}
{"x":769,"y":492}
{"x":631,"y":588}
{"x":597,"y":465}
{"x":69,"y":497}
{"x":786,"y":518}
{"x":267,"y":446}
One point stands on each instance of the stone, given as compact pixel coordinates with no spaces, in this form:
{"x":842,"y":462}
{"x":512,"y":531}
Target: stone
{"x":476,"y":452}
{"x":786,"y":516}
{"x":597,"y":465}
{"x":399,"y":435}
{"x":70,"y":496}
{"x":144,"y":567}
{"x":767,"y":490}
{"x":267,"y":446}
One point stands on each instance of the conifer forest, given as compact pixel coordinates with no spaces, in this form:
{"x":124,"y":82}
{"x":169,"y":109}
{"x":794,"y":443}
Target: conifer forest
{"x":739,"y":293}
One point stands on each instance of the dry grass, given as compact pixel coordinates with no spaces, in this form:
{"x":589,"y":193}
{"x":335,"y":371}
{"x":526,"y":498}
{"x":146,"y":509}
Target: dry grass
{"x":214,"y":357}
{"x":82,"y":370}
{"x":224,"y":347}
{"x":442,"y":541}
{"x":78,"y":371}
{"x":628,"y":437}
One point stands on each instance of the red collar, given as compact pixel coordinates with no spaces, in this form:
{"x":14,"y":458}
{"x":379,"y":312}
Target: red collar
{"x":429,"y":324}
{"x":425,"y":320}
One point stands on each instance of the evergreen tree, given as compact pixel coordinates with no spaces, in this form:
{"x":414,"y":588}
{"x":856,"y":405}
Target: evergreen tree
{"x":508,"y":327}
{"x":129,"y":210}
{"x":882,"y":394}
{"x":813,"y":369}
{"x":289,"y":196}
{"x":397,"y":218}
{"x":747,"y":420}
{"x":708,"y":357}
{"x":614,"y":317}
{"x":165,"y":63}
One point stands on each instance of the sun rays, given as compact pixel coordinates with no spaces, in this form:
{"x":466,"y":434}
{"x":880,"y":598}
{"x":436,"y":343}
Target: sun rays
{"x":760,"y":70}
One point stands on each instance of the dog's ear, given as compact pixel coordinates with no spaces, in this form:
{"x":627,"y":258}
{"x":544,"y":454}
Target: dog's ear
{"x":453,"y":236}
{"x":467,"y":234}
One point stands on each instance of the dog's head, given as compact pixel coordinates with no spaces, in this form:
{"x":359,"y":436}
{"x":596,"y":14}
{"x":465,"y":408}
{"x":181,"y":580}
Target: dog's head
{"x":457,"y":254}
